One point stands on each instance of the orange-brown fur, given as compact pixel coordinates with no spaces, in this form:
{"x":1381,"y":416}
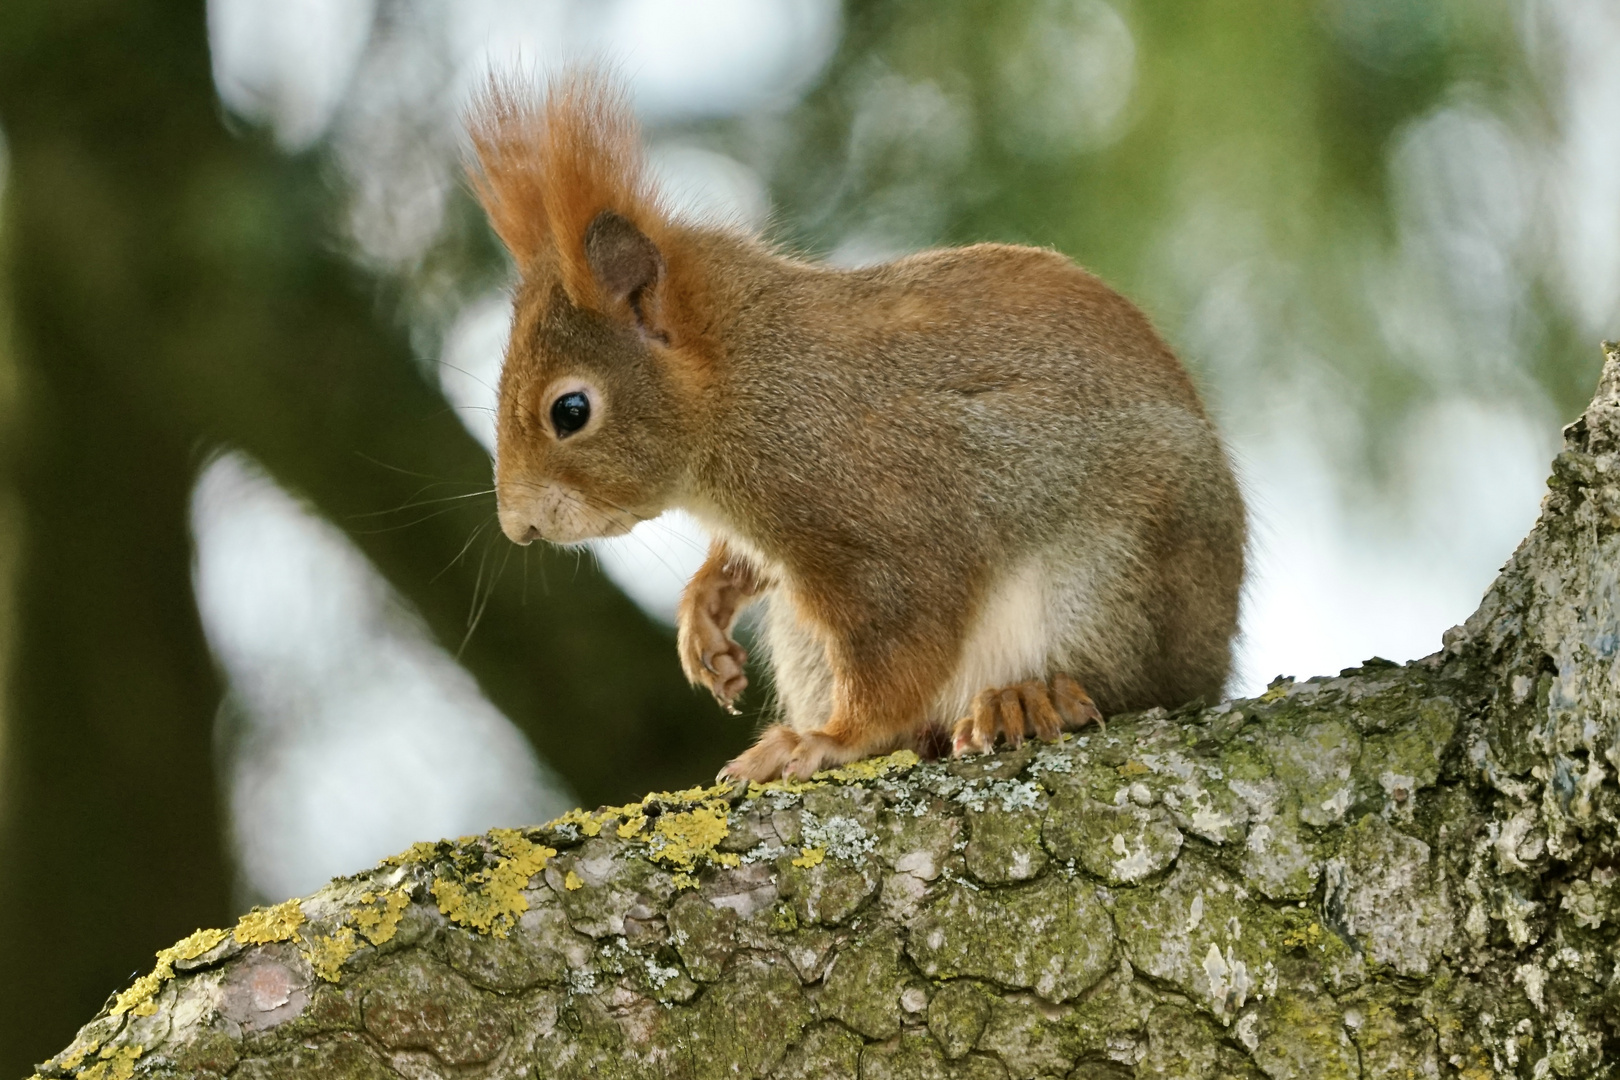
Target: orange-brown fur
{"x":905,"y":460}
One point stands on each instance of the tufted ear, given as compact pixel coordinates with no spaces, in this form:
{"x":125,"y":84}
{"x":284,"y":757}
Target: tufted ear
{"x":627,"y":267}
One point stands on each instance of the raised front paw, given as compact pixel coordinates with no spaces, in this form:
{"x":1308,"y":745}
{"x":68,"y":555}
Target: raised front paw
{"x":708,"y":608}
{"x":1027,"y":708}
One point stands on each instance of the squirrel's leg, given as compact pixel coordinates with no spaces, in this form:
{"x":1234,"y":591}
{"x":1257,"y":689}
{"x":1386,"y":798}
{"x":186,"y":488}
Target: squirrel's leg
{"x":888,"y":649}
{"x":710,"y":604}
{"x":881,"y":697}
{"x":1027,"y":708}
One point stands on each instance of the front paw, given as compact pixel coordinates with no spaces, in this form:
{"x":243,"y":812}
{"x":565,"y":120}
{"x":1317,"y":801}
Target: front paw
{"x":708,"y":654}
{"x":711,"y":658}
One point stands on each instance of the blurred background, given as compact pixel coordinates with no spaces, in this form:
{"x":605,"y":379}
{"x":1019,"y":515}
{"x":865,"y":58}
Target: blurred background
{"x":257,"y":626}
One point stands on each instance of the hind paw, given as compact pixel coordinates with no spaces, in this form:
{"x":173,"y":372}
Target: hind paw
{"x":1023,"y":709}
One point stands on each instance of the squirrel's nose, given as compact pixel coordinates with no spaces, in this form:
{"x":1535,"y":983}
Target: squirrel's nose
{"x":517,"y":529}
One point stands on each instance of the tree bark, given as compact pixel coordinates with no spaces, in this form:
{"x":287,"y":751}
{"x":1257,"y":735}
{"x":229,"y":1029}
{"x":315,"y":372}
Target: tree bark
{"x":1401,"y":871}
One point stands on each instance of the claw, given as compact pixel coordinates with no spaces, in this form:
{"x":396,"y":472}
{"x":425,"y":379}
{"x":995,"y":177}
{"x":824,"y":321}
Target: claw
{"x":1011,"y":713}
{"x":1074,"y":703}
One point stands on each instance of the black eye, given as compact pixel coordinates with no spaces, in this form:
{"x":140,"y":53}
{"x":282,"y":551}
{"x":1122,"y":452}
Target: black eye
{"x":569,"y":413}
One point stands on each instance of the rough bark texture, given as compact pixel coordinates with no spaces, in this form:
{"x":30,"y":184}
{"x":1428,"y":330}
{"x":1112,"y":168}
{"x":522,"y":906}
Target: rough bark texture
{"x":1398,"y":872}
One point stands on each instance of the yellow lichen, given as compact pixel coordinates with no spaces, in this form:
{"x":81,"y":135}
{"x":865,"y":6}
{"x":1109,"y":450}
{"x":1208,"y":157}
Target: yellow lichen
{"x":783,"y":787}
{"x":419,"y":852}
{"x":326,"y":954}
{"x":1303,"y":938}
{"x":139,"y":997}
{"x":490,"y":900}
{"x":690,"y":795}
{"x":810,"y":856}
{"x":261,"y":926}
{"x":680,"y":840}
{"x":381,"y":924}
{"x":73,"y":1059}
{"x":683,"y":881}
{"x":685,"y":840}
{"x":855,"y":772}
{"x":571,"y":881}
{"x":872,"y":768}
{"x":583,"y":820}
{"x":116,"y":1064}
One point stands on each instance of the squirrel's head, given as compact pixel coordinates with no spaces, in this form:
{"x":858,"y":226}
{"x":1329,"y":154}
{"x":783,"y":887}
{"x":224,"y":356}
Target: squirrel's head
{"x":591,"y":431}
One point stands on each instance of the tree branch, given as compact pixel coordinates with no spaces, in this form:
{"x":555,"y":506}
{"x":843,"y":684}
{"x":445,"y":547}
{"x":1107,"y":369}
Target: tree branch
{"x":1399,"y":871}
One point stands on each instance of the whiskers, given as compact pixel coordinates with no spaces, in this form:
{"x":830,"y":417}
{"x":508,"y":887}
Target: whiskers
{"x":483,"y":591}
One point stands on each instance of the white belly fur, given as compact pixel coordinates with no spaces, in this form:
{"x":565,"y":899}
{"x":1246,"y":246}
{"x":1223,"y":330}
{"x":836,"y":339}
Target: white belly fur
{"x":1041,"y":617}
{"x":1011,"y":640}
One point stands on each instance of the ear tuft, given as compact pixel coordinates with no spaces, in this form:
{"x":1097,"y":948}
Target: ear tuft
{"x":546,"y":165}
{"x":626,"y":264}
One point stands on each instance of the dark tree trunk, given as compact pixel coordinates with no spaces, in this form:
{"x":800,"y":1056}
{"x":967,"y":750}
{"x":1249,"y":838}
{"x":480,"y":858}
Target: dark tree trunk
{"x":172,"y":290}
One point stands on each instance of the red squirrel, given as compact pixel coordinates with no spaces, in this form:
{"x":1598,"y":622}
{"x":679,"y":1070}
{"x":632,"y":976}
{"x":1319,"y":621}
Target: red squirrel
{"x":977,"y":492}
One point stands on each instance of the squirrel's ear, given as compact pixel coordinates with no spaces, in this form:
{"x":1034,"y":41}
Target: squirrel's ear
{"x":626,"y":264}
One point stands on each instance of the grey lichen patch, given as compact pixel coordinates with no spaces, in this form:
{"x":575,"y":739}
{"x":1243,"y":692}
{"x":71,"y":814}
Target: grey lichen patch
{"x":1123,"y":845}
{"x":863,"y":986}
{"x":1053,"y":937}
{"x":1314,"y":764}
{"x":839,"y":835}
{"x":1202,"y":933}
{"x":1004,"y":847}
{"x":1384,"y":889}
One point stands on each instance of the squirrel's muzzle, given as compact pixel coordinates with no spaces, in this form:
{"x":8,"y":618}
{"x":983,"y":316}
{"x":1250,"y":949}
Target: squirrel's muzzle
{"x":559,"y":513}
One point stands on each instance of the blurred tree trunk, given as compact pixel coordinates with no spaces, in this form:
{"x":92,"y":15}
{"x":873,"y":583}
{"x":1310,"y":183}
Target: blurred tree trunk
{"x":1398,"y":872}
{"x":173,"y":289}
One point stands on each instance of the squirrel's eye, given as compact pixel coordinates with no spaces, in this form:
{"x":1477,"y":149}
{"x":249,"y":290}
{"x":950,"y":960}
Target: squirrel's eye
{"x":570,"y":412}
